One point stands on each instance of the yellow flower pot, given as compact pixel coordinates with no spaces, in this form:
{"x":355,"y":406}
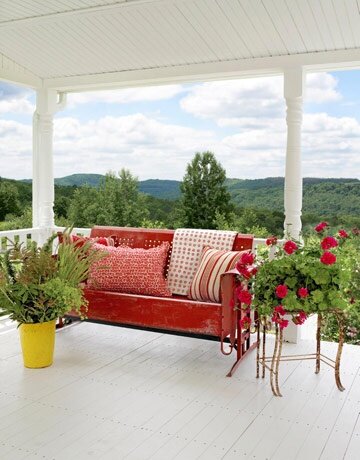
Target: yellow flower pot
{"x":37,"y":343}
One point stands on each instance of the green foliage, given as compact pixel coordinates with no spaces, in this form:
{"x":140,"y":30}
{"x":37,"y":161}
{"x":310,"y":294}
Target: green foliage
{"x":204,"y":192}
{"x":37,"y":287}
{"x":146,"y":223}
{"x":84,"y":207}
{"x":330,"y":198}
{"x":9,"y":199}
{"x":247,"y":222}
{"x":335,"y":200}
{"x":14,"y":222}
{"x":331,"y":287}
{"x":117,"y":201}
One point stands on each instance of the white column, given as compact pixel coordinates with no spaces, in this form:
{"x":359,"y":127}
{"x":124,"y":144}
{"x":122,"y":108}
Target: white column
{"x":48,"y":102}
{"x":293,"y":93}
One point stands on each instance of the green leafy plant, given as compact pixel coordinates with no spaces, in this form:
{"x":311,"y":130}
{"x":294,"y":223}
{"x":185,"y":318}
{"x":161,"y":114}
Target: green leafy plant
{"x":320,"y":275}
{"x":36,"y":286}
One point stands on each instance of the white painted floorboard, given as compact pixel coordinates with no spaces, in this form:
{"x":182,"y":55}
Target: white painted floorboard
{"x":115,"y":393}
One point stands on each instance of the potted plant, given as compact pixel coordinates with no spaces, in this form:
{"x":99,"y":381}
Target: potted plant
{"x":317,"y":276}
{"x":37,"y":287}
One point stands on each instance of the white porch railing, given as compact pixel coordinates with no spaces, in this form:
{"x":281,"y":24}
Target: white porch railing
{"x":26,"y":235}
{"x":75,"y":231}
{"x":23,"y":235}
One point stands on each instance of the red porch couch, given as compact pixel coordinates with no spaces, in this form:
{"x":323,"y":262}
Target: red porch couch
{"x":176,"y":314}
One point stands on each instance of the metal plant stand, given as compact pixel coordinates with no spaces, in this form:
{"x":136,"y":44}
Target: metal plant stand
{"x":272,"y":363}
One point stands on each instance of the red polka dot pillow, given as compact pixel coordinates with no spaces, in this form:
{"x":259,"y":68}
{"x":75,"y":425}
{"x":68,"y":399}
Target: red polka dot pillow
{"x":205,"y":285}
{"x":133,"y":271}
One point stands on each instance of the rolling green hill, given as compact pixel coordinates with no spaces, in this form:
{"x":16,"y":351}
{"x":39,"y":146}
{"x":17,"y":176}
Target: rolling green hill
{"x":325,"y":197}
{"x":321,"y":196}
{"x":166,"y":189}
{"x":80,"y":179}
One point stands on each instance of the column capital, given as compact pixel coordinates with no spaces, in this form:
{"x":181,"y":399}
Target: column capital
{"x":294,"y":82}
{"x":49,"y":101}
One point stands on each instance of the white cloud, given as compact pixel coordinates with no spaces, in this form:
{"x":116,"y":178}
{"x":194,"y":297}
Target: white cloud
{"x":146,"y":146}
{"x":321,"y":87}
{"x":330,"y":148}
{"x":124,"y":96}
{"x":228,"y":102}
{"x":15,"y":99}
{"x":15,"y":149}
{"x":152,"y":148}
{"x":17,"y":105}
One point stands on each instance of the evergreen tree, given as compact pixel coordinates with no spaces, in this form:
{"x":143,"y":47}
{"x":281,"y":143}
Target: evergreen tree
{"x":204,"y":192}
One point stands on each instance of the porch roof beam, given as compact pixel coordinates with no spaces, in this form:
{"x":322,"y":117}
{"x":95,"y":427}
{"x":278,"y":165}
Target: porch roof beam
{"x":244,"y":68}
{"x":12,"y":72}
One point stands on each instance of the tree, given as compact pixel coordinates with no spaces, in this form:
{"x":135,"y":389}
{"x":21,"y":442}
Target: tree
{"x":9,"y":199}
{"x":204,"y":194}
{"x":120,"y":197}
{"x":117,"y":201}
{"x":84,"y":207}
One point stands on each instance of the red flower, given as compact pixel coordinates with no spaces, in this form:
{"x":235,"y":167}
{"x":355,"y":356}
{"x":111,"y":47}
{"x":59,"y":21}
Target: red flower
{"x":290,"y":247}
{"x":245,"y":322}
{"x":247,"y":258}
{"x":232,"y":303}
{"x":343,"y":234}
{"x":253,"y":271}
{"x":283,"y":323}
{"x":300,"y":318}
{"x":328,"y":258}
{"x":244,"y":297}
{"x":280,"y":310}
{"x":303,"y":292}
{"x":244,"y":272}
{"x":271,"y":241}
{"x":321,"y":227}
{"x":281,"y":291}
{"x":329,"y":242}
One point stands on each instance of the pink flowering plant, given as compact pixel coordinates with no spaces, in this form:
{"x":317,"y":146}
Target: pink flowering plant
{"x":299,"y":279}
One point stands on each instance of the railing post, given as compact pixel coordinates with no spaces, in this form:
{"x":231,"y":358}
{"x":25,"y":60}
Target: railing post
{"x":48,"y":102}
{"x":293,"y":93}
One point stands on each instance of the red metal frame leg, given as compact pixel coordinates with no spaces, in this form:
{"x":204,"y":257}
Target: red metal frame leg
{"x":243,"y":347}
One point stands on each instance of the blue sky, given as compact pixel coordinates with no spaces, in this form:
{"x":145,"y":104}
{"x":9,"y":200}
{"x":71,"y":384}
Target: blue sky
{"x":155,"y":131}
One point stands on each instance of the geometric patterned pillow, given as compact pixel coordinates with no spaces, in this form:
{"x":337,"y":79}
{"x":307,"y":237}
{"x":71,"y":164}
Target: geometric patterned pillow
{"x":206,"y":282}
{"x":131,"y":270}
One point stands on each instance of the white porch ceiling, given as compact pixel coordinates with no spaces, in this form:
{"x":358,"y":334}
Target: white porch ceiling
{"x":76,"y":44}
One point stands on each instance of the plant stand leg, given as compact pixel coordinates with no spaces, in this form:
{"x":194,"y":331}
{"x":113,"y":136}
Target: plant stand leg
{"x":277,"y":362}
{"x":274,"y":361}
{"x":318,"y":343}
{"x":258,"y":348}
{"x":341,"y":323}
{"x":263,"y":346}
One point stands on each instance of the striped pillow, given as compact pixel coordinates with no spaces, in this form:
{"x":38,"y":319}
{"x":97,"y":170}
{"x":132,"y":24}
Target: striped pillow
{"x":213,"y":263}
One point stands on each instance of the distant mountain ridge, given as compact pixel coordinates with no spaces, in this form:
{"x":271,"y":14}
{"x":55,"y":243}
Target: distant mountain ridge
{"x":327,"y":196}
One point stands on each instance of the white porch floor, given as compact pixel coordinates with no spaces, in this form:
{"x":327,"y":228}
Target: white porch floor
{"x":115,"y":393}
